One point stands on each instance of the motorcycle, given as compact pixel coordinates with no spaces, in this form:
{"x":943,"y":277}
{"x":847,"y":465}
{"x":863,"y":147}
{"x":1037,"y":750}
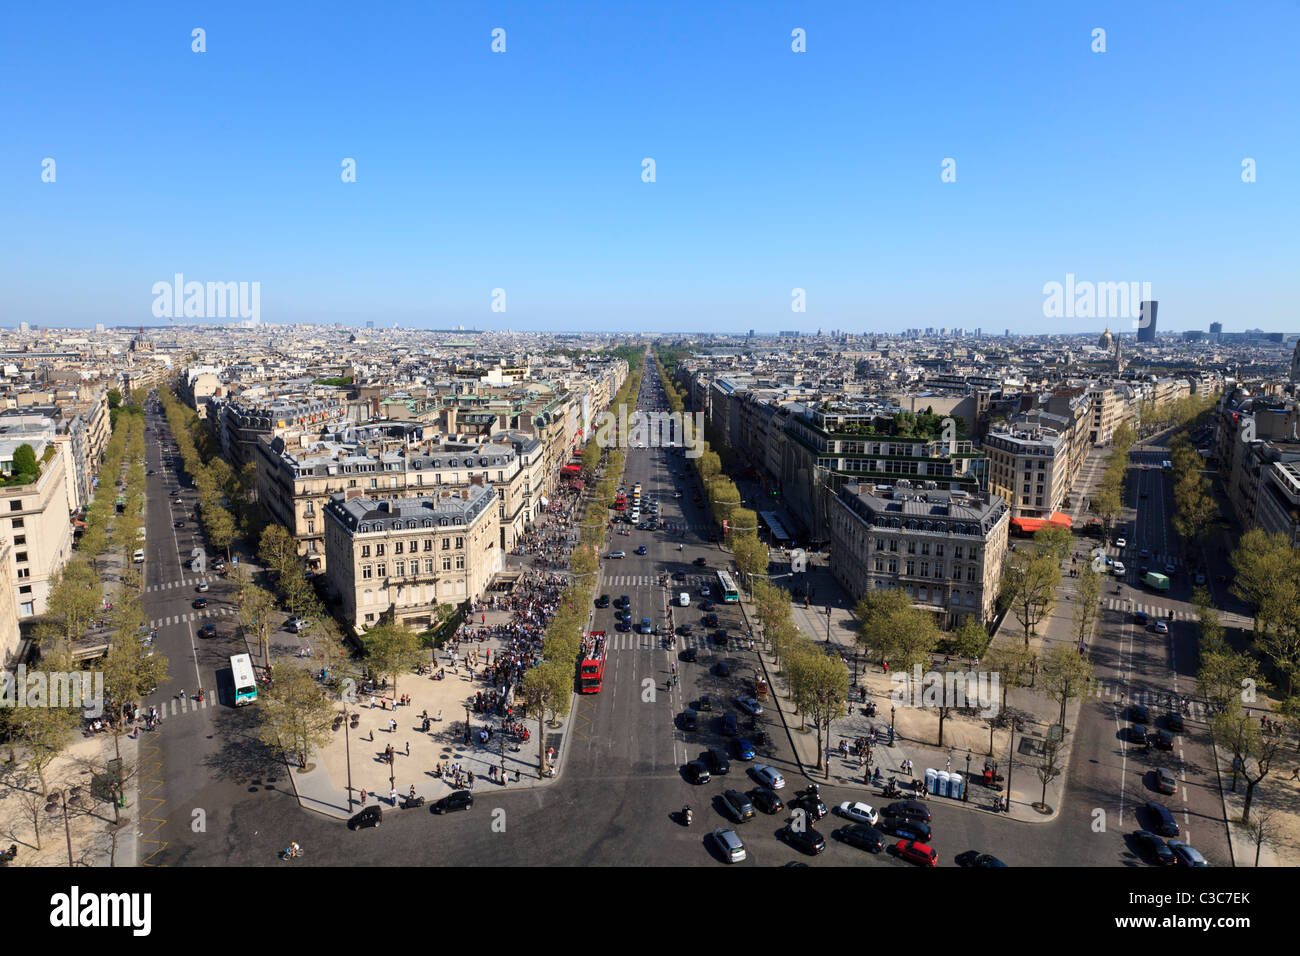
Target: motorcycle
{"x":688,"y":816}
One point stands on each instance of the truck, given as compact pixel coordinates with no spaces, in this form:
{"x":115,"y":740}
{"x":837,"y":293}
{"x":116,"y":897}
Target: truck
{"x":1157,"y":582}
{"x":591,"y":669}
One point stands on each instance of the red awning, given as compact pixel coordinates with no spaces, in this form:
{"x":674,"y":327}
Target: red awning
{"x":1026,"y":525}
{"x":572,"y":469}
{"x":1060,"y":519}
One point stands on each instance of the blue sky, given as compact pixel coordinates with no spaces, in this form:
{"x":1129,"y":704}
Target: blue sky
{"x":775,"y":170}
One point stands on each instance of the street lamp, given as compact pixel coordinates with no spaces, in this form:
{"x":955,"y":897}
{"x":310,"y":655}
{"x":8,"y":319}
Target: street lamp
{"x":58,"y":799}
{"x":347,"y":749}
{"x":965,"y":790}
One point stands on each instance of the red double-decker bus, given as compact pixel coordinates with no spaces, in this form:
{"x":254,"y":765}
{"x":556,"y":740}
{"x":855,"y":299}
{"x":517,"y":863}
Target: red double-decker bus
{"x":591,"y":672}
{"x":620,"y":503}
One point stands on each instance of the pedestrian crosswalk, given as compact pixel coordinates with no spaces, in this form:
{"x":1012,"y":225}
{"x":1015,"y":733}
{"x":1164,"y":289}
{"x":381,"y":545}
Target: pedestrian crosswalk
{"x":182,"y":583}
{"x":631,"y":641}
{"x":1151,"y":610}
{"x":177,"y":708}
{"x":191,"y":616}
{"x":1154,"y":699}
{"x":652,"y":580}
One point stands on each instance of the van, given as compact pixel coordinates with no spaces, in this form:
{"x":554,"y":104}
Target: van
{"x":685,"y":599}
{"x":138,"y":557}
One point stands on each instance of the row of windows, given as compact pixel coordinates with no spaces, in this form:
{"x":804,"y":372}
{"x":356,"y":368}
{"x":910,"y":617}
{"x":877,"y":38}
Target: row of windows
{"x":411,"y":547}
{"x":890,"y":566}
{"x":958,"y":551}
{"x":380,"y":569}
{"x":935,"y":595}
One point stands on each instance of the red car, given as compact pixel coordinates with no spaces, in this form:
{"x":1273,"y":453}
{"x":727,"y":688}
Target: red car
{"x":915,"y":852}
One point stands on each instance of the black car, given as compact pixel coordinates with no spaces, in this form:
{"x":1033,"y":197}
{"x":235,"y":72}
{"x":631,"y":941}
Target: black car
{"x":707,"y":605}
{"x":730,"y":726}
{"x":862,"y":836}
{"x":208,"y":630}
{"x":1161,"y":739}
{"x":718,"y":761}
{"x":602,"y":601}
{"x":369,"y":817}
{"x":1153,"y":848}
{"x":1139,"y":714}
{"x":720,"y":637}
{"x":622,"y":615}
{"x":766,"y":800}
{"x":622,"y":626}
{"x":179,"y":524}
{"x":738,"y":805}
{"x":911,"y":809}
{"x":679,"y":575}
{"x":200,"y":603}
{"x":978,"y":860}
{"x":685,"y":629}
{"x":808,"y":840}
{"x":690,"y":720}
{"x":459,"y":800}
{"x":624,"y":602}
{"x":704,"y":703}
{"x":905,"y":827}
{"x":700,"y":562}
{"x":723,"y":669}
{"x":710,"y":620}
{"x":1161,"y":820}
{"x":1174,"y":720}
{"x":1137,"y":734}
{"x":696,"y":772}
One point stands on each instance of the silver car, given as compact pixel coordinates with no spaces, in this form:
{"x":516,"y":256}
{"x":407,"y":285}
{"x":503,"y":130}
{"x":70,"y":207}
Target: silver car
{"x":768,"y":776}
{"x":729,"y":842}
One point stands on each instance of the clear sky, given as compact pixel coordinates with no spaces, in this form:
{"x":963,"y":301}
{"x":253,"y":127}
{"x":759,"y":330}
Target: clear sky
{"x":775,"y":169}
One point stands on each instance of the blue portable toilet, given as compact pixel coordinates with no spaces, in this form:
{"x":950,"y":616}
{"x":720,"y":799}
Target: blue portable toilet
{"x":931,"y":780}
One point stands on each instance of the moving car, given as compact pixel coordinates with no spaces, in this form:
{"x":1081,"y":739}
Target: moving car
{"x":199,"y":603}
{"x":1139,"y":714}
{"x":749,"y":705}
{"x":1121,"y":543}
{"x":646,"y":627}
{"x":916,"y":852}
{"x":738,"y":805}
{"x":723,"y":669}
{"x":624,"y":602}
{"x":1161,"y":739}
{"x":718,"y":761}
{"x":858,"y":812}
{"x":705,"y":703}
{"x":904,"y":827}
{"x":974,"y":858}
{"x":700,"y":562}
{"x":744,"y":749}
{"x":602,"y":601}
{"x":1154,"y":848}
{"x":641,"y":549}
{"x":769,"y":777}
{"x":810,"y":804}
{"x":616,"y":554}
{"x":730,"y":726}
{"x":179,"y":524}
{"x":690,"y":654}
{"x":862,"y":836}
{"x":203,"y":586}
{"x":696,"y":772}
{"x":1165,"y":781}
{"x":457,"y":800}
{"x":910,"y":809}
{"x":1174,"y":720}
{"x":1161,"y":627}
{"x":208,"y":630}
{"x":690,"y":719}
{"x":1138,"y":733}
{"x":729,"y":843}
{"x":766,"y":800}
{"x":710,"y":620}
{"x":1118,"y":569}
{"x":1187,"y":855}
{"x":1161,"y":820}
{"x":369,"y":817}
{"x":1140,"y":618}
{"x":806,"y":839}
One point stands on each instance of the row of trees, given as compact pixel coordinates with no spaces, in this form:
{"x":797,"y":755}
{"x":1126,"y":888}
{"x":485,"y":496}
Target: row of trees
{"x":1195,"y":510}
{"x":1108,"y":499}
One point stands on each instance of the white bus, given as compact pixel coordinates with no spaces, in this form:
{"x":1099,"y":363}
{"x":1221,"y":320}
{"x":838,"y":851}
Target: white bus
{"x":241,"y":669}
{"x":727,"y":588}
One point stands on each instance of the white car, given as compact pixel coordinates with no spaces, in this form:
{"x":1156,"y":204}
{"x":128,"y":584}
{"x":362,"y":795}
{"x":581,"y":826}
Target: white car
{"x":768,"y":777}
{"x":1117,"y":569}
{"x":617,"y":554}
{"x":296,"y":624}
{"x":1121,"y":543}
{"x":859,"y":813}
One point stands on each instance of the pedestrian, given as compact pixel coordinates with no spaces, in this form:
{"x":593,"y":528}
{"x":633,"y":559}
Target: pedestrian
{"x":392,"y":725}
{"x":364,"y":794}
{"x":372,"y":701}
{"x":392,"y":796}
{"x":408,"y":748}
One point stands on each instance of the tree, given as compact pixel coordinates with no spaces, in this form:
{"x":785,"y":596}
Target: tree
{"x":541,"y":689}
{"x":1054,"y":541}
{"x":819,"y":685}
{"x":295,"y":714}
{"x":255,"y":617}
{"x":970,"y":638}
{"x":1031,"y":581}
{"x":1048,"y":768}
{"x":25,"y":466}
{"x":277,"y":549}
{"x":1087,"y":606}
{"x":114,"y":398}
{"x":1224,"y":675}
{"x":899,"y":633}
{"x":393,"y":650}
{"x":1253,"y":753}
{"x":750,"y":554}
{"x":220,"y":525}
{"x":43,"y":732}
{"x":1066,"y":675}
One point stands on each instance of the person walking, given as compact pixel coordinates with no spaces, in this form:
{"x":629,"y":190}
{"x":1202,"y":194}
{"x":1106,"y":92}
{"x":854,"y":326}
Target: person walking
{"x":392,"y":797}
{"x":408,"y":748}
{"x":364,"y":794}
{"x":392,"y":725}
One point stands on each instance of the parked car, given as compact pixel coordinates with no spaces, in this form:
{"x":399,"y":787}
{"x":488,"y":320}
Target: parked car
{"x":767,"y":800}
{"x":730,"y":726}
{"x":602,"y":601}
{"x":690,"y":719}
{"x":718,"y":761}
{"x":297,"y":624}
{"x":744,"y":749}
{"x":911,"y":809}
{"x":749,"y":705}
{"x":696,"y":772}
{"x":904,"y":827}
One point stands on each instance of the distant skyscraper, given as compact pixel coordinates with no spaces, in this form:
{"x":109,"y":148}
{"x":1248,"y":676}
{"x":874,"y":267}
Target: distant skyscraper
{"x":1216,"y":328}
{"x":1147,"y":321}
{"x":1007,"y":334}
{"x":370,"y":324}
{"x":99,"y":326}
{"x":24,"y":327}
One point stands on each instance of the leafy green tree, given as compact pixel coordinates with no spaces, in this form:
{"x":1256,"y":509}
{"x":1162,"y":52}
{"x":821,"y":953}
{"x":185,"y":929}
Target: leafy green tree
{"x":1067,"y":675}
{"x":393,"y":650}
{"x":25,"y":467}
{"x":1253,"y":752}
{"x":295,"y":715}
{"x":1030,"y":580}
